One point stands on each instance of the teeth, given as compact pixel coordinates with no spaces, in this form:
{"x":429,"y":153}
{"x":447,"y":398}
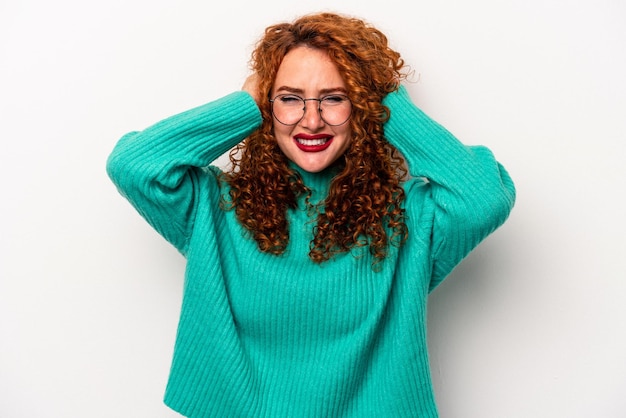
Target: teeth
{"x":312,"y":142}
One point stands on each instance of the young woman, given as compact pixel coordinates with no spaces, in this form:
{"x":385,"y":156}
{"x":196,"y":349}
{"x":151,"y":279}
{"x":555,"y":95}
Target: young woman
{"x":309,"y":262}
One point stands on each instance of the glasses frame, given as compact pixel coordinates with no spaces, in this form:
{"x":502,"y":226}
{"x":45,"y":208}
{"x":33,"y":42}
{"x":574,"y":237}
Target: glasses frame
{"x":319,"y":108}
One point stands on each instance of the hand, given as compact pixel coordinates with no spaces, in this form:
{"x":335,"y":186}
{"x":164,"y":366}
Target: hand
{"x":251,"y":85}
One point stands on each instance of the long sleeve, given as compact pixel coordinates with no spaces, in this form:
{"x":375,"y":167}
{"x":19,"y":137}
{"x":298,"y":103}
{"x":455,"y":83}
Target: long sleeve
{"x":157,"y":169}
{"x":471,"y":192}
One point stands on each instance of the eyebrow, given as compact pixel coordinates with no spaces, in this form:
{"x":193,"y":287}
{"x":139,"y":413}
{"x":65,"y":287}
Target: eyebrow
{"x":322,"y":92}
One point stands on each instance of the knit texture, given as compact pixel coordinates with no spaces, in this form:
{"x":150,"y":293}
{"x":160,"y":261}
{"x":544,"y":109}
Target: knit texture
{"x":280,"y":336}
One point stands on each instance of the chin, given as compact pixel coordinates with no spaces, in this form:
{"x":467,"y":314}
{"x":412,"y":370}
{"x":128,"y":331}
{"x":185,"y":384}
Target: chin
{"x":312,"y":168}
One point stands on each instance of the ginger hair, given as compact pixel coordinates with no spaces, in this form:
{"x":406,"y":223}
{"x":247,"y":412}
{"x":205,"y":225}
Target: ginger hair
{"x":364,"y":203}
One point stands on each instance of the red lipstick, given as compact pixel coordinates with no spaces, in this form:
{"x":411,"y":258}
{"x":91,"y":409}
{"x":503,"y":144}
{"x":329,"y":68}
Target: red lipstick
{"x":313,"y":143}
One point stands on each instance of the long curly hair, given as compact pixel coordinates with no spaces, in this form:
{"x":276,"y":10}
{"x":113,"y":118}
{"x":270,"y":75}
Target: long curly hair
{"x":363,"y":206}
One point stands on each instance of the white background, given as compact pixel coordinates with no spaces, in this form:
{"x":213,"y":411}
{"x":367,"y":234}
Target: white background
{"x":532,"y":324}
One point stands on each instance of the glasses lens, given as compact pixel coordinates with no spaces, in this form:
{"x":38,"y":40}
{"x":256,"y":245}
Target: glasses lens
{"x":335,"y":109}
{"x":289,"y":109}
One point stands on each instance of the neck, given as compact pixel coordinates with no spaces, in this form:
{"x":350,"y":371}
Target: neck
{"x":318,"y":183}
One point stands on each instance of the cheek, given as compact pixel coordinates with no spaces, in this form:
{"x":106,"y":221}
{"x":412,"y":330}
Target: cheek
{"x":347,"y":140}
{"x":282,"y":134}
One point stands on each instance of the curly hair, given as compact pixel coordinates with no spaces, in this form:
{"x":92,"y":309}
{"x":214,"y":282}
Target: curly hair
{"x":363,"y":206}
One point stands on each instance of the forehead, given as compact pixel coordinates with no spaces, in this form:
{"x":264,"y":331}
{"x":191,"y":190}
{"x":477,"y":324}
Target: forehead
{"x":308,"y":70}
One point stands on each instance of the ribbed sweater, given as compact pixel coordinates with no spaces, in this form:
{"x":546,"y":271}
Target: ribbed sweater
{"x":262,"y":335}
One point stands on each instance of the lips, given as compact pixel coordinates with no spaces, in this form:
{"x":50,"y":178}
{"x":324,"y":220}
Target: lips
{"x":313,"y":143}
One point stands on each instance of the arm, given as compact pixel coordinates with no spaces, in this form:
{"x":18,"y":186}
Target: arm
{"x":472,"y":193}
{"x":158,"y":169}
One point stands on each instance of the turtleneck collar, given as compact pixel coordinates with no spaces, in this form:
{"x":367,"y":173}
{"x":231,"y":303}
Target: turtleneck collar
{"x":319,"y":183}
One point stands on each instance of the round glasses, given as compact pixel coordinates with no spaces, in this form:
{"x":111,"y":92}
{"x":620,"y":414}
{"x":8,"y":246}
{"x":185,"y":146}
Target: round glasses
{"x":334,"y":109}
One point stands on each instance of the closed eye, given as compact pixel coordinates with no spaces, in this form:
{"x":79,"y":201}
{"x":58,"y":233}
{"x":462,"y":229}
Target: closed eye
{"x":290,"y":99}
{"x":334,"y":99}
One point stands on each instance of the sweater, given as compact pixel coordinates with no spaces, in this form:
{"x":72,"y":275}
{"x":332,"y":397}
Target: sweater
{"x":261,"y":335}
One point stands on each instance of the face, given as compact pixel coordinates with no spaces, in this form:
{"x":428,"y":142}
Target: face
{"x":312,"y":144}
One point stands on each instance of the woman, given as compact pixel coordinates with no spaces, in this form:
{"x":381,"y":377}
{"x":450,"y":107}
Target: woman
{"x":310,"y":262}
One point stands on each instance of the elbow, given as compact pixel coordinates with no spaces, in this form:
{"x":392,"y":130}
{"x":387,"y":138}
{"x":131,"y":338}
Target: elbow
{"x":494,"y":207}
{"x":114,"y":167}
{"x":505,"y":198}
{"x":120,"y":162}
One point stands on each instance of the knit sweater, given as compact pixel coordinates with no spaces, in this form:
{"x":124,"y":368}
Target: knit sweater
{"x":262,"y":335}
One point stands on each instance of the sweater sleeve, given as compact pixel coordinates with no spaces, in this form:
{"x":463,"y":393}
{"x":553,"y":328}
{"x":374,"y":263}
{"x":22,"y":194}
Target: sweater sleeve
{"x":158,"y":169}
{"x":471,"y":192}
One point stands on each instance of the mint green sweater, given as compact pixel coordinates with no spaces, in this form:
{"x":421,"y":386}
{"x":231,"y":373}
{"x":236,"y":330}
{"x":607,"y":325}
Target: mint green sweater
{"x":280,"y":336}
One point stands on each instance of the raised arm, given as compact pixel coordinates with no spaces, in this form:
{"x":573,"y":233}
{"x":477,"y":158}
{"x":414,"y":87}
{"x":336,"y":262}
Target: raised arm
{"x":472,"y":193}
{"x":158,"y":169}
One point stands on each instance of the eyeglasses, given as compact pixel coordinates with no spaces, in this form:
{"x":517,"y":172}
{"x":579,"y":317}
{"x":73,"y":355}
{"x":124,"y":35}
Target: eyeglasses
{"x":334,"y":109}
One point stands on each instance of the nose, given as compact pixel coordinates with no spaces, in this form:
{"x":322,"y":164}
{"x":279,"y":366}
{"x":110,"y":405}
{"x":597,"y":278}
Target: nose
{"x":312,"y":118}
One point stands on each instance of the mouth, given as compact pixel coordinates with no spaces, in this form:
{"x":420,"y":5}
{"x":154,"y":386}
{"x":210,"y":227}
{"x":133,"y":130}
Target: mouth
{"x":313,"y":143}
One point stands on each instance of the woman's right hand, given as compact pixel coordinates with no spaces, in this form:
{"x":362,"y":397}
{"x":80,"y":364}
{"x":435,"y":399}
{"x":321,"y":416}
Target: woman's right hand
{"x":251,"y":85}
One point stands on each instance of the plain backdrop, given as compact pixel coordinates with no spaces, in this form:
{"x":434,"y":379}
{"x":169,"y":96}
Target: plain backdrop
{"x":531,"y":324}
